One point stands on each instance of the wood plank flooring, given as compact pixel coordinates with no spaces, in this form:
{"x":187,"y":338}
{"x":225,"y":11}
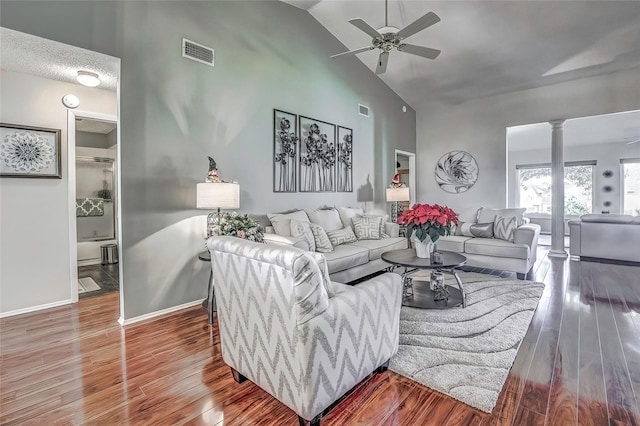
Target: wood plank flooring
{"x":578,"y":364}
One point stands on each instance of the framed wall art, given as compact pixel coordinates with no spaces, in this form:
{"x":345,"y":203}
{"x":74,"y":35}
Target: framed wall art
{"x":317,"y":155}
{"x":285,"y":151}
{"x":29,"y":152}
{"x":456,"y":172}
{"x":344,"y":171}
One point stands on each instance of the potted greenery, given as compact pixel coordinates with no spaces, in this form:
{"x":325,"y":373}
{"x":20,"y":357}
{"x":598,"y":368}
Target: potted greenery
{"x":426,"y":223}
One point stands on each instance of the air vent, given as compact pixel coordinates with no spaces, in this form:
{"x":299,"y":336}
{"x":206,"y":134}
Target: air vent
{"x":363,"y":110}
{"x":197,"y":52}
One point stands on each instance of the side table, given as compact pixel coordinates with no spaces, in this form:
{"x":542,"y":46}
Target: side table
{"x":209,"y":304}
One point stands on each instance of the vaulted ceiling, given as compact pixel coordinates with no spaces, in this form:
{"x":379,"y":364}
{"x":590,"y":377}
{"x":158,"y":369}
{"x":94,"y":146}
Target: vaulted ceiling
{"x":490,"y":47}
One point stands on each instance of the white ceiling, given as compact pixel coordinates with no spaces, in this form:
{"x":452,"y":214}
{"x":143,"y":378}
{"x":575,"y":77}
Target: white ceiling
{"x":491,"y":47}
{"x":94,"y":126}
{"x":600,"y":129}
{"x":28,"y":54}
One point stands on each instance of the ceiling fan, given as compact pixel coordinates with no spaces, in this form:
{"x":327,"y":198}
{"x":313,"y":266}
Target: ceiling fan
{"x":388,"y":37}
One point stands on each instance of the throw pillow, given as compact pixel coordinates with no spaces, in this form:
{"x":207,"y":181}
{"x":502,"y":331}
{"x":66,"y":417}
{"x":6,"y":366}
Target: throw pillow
{"x":481,"y":230}
{"x":367,"y":227}
{"x":347,"y":213}
{"x":329,"y":219}
{"x":324,"y":269}
{"x":504,"y":228}
{"x":281,"y":221}
{"x":302,"y":230}
{"x":341,"y":236}
{"x":468,"y":214}
{"x":323,"y":244}
{"x":464,"y":229}
{"x":383,"y":219}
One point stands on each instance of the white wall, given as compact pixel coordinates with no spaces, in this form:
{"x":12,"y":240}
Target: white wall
{"x":607,"y":156}
{"x":479,"y":127}
{"x":34,"y":213}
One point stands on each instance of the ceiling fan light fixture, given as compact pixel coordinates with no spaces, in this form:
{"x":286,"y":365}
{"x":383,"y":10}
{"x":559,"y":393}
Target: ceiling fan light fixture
{"x":88,"y":78}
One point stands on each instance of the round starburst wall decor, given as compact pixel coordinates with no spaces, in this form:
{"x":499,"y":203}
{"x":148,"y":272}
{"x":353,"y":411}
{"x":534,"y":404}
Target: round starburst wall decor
{"x":456,"y":172}
{"x":26,"y":152}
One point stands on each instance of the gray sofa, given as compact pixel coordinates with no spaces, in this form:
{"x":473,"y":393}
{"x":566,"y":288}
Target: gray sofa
{"x":518,"y":256}
{"x":605,"y":236}
{"x":351,"y":261}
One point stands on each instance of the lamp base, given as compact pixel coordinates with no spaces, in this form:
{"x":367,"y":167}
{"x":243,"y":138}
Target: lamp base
{"x":213,"y":223}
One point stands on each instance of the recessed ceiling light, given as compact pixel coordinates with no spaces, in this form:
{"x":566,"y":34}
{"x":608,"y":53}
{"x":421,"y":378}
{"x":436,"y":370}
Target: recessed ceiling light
{"x":89,"y":79}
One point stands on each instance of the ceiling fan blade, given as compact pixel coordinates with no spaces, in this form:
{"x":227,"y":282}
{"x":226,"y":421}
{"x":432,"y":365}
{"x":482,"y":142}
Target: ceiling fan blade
{"x":363,"y":26}
{"x":382,"y":63}
{"x":632,"y":142}
{"x":425,"y":52}
{"x":418,"y":25}
{"x":353,"y":52}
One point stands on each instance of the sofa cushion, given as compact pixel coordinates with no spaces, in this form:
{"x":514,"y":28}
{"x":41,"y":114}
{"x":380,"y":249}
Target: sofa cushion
{"x":323,"y":244}
{"x":329,"y":219}
{"x":377,"y":247}
{"x":486,"y":215}
{"x":281,"y":221}
{"x":302,"y":230}
{"x":346,"y":256}
{"x":341,"y":236}
{"x":453,"y":243}
{"x":496,"y":248}
{"x":468,"y":214}
{"x":348,"y":213}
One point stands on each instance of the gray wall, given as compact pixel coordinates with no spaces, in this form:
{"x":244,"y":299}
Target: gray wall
{"x":175,"y":112}
{"x":479,"y":127}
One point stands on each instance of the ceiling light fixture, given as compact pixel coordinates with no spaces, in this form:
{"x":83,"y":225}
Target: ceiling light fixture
{"x":89,"y":79}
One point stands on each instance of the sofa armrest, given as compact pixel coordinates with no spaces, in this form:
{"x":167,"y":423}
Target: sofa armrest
{"x":367,"y":316}
{"x":528,"y":234}
{"x":287,"y":241}
{"x":392,"y":229}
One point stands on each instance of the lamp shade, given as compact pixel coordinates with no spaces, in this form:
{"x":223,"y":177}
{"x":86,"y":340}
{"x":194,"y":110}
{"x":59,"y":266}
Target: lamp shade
{"x":218,"y":195}
{"x":397,"y":194}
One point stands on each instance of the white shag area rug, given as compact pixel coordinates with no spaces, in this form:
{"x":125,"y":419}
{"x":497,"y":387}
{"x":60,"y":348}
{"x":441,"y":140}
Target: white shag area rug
{"x":466,"y":353}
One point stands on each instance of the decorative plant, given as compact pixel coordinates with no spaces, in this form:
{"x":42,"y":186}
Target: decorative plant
{"x":237,"y":225}
{"x":429,"y":220}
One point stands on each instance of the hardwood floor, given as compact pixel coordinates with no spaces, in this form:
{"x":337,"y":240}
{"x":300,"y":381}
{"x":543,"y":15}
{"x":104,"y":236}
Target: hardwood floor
{"x":578,"y":364}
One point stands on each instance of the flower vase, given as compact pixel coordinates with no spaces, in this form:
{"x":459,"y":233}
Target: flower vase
{"x":423,"y":248}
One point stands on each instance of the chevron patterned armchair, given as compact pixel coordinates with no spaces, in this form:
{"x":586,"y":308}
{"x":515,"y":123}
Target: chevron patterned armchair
{"x":286,"y":327}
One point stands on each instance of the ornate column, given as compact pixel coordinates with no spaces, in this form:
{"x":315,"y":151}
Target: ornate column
{"x":557,"y":191}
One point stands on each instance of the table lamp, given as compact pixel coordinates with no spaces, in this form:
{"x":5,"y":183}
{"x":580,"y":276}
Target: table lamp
{"x":394,"y":195}
{"x":217,"y":195}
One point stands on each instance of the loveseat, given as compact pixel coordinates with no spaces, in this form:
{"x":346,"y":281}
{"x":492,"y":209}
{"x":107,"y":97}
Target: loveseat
{"x":346,"y":261}
{"x":286,"y":327}
{"x":605,"y":236}
{"x":495,"y":238}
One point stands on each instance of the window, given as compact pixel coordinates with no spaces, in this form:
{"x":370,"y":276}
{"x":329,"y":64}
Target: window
{"x":534,"y":183}
{"x":631,"y":186}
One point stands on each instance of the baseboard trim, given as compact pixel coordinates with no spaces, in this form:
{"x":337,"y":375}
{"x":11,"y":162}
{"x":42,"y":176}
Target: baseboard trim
{"x":558,"y":254}
{"x":162,"y":312}
{"x":35,"y":308}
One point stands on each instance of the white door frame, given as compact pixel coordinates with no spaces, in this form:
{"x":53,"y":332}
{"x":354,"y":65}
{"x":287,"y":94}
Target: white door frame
{"x":71,"y":161}
{"x":412,"y":172}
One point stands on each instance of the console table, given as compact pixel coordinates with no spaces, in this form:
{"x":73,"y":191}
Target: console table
{"x":209,"y":304}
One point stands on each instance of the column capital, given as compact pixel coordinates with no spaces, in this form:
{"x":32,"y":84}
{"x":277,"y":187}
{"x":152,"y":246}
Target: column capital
{"x":557,"y":124}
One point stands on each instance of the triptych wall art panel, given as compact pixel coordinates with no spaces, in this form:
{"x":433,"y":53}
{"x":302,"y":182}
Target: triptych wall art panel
{"x":311,"y":155}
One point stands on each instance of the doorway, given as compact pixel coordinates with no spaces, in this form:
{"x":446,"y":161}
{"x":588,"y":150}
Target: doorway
{"x":405,"y":166}
{"x":96,"y":198}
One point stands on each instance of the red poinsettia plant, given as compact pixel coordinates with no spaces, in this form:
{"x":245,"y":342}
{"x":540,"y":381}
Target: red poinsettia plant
{"x":429,"y":220}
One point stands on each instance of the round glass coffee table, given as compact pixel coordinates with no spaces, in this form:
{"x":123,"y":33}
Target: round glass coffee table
{"x":424,"y":298}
